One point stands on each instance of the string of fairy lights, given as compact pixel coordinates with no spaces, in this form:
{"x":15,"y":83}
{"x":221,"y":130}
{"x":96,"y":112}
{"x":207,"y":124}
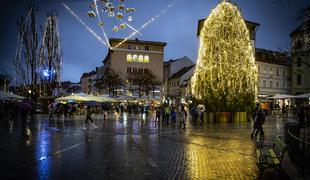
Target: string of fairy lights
{"x":120,"y":12}
{"x":225,"y":74}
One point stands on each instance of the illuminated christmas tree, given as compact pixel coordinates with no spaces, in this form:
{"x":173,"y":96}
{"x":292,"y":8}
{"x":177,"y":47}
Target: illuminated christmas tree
{"x":226,"y":74}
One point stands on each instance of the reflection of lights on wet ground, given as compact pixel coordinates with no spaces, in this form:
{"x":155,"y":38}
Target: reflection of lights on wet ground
{"x":83,"y":23}
{"x":147,"y":23}
{"x":42,"y":148}
{"x":125,"y":118}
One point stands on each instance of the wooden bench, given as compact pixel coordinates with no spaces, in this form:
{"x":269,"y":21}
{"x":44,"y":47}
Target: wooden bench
{"x":271,"y":158}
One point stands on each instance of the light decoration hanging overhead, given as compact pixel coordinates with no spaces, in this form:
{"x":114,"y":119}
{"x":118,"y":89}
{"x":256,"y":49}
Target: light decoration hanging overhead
{"x":226,"y":75}
{"x":116,"y":10}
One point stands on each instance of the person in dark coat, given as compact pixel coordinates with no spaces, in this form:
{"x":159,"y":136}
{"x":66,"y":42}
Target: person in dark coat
{"x":259,"y":120}
{"x":301,"y":114}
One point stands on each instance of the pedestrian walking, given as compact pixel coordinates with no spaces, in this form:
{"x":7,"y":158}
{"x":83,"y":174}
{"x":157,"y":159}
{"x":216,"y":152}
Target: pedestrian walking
{"x":201,"y":114}
{"x":258,"y":122}
{"x":194,"y":114}
{"x":167,"y":114}
{"x":301,"y":114}
{"x":182,"y":116}
{"x":50,"y":113}
{"x":89,"y":112}
{"x":173,"y":115}
{"x":158,"y":113}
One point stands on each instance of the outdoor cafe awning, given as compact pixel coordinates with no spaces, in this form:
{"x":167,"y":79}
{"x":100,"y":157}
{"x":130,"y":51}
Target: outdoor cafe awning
{"x":285,"y":96}
{"x":8,"y":96}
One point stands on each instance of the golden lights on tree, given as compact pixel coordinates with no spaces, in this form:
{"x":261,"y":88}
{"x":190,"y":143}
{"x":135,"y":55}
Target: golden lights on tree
{"x":226,"y":75}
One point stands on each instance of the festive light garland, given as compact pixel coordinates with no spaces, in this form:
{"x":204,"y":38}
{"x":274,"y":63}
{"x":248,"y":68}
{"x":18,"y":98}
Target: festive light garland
{"x":226,"y":75}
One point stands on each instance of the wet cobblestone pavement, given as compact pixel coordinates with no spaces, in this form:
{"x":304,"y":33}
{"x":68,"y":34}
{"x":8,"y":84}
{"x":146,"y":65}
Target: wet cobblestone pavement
{"x":128,"y":147}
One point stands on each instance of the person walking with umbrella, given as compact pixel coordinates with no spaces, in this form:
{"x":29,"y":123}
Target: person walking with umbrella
{"x":25,"y":107}
{"x":89,"y":112}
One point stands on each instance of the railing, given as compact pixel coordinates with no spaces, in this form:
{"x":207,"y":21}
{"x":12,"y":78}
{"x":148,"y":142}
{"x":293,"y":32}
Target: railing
{"x":299,"y":147}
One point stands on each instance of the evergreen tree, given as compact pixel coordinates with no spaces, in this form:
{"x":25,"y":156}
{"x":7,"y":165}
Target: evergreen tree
{"x":226,"y":75}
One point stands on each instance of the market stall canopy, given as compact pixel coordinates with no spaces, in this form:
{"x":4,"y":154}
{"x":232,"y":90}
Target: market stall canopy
{"x":105,"y":98}
{"x":8,"y":96}
{"x":73,"y":97}
{"x":303,"y":96}
{"x":282,"y":96}
{"x":81,"y":97}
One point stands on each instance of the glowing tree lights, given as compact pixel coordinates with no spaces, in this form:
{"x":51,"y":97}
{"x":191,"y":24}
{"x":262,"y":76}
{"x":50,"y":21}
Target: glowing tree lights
{"x":226,"y":74}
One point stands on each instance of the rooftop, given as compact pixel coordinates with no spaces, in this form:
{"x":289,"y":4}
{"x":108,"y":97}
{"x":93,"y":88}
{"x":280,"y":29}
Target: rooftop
{"x":182,"y":71}
{"x":138,"y":41}
{"x":272,"y":57}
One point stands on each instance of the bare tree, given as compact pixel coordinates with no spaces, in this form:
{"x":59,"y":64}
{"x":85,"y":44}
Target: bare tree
{"x":110,"y":81}
{"x":143,"y":82}
{"x":26,"y":60}
{"x":50,"y":54}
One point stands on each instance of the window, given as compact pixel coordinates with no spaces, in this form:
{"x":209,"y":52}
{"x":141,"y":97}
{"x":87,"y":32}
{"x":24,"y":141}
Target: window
{"x":270,"y":70}
{"x":146,"y":70}
{"x":129,"y":58}
{"x":283,"y":72}
{"x":264,"y":83}
{"x":277,"y":84}
{"x":178,"y":83}
{"x":258,"y":68}
{"x":265,"y":69}
{"x":299,"y":62}
{"x":140,"y":70}
{"x":298,"y":44}
{"x":129,"y":70}
{"x":146,"y":48}
{"x":135,"y":58}
{"x":278,"y":72}
{"x":299,"y":79}
{"x":270,"y":84}
{"x":146,"y":59}
{"x":283,"y":85}
{"x":130,"y":46}
{"x":134,"y":70}
{"x":140,"y":58}
{"x":136,"y":47}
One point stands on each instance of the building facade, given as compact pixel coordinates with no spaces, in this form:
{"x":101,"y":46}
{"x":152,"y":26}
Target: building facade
{"x":274,"y":73}
{"x":170,"y":68}
{"x":300,"y":52}
{"x":135,"y":56}
{"x":178,"y":81}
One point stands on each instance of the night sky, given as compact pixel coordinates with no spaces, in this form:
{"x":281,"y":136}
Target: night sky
{"x":82,"y":52}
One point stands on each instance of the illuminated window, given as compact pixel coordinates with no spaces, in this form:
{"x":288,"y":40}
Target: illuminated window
{"x":135,"y":58}
{"x":146,"y":59}
{"x":140,"y":58}
{"x":129,"y":58}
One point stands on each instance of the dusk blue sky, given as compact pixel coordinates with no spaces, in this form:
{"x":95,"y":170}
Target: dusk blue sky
{"x":82,"y":52}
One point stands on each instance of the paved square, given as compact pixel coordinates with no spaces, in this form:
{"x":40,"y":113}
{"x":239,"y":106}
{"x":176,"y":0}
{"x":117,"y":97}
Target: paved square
{"x":128,"y":147}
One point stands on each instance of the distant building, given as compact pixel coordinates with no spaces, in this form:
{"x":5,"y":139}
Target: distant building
{"x":178,"y":82}
{"x":171,"y":67}
{"x":87,"y":82}
{"x":300,"y":52}
{"x":274,"y":73}
{"x":252,"y":27}
{"x":135,"y":56}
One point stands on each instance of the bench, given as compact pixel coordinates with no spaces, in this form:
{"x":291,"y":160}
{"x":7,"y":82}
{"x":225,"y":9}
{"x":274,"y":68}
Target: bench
{"x":271,"y":158}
